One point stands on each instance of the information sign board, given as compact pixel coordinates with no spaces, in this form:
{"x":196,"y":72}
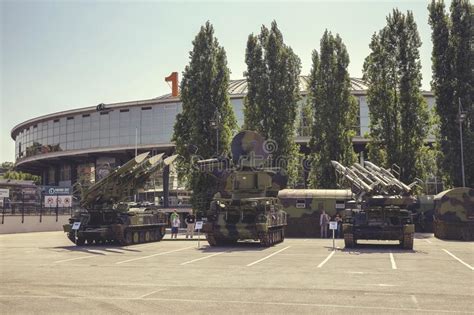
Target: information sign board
{"x":76,"y":225}
{"x":4,"y":193}
{"x":333,"y":225}
{"x":198,"y":225}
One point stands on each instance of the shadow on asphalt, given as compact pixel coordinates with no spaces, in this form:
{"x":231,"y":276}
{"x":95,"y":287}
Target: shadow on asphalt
{"x":237,"y":247}
{"x":363,"y":249}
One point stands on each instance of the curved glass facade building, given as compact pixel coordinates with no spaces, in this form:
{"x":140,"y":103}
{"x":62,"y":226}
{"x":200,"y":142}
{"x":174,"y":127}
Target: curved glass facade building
{"x":62,"y":147}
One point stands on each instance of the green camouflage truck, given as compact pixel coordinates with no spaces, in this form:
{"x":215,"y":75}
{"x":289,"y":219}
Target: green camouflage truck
{"x":304,"y":207}
{"x":454,"y":214}
{"x":381,"y":207}
{"x":105,"y":217}
{"x":247,"y":208}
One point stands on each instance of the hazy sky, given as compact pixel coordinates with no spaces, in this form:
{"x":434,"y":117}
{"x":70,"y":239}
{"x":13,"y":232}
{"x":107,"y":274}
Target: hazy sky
{"x":59,"y":55}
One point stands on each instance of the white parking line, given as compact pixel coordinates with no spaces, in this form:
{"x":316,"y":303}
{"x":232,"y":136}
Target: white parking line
{"x":158,"y":254}
{"x":462,"y":262}
{"x":260,"y":260}
{"x":209,"y":256}
{"x":70,"y":259}
{"x":428,"y":241}
{"x":326,"y":260}
{"x":392,"y":260}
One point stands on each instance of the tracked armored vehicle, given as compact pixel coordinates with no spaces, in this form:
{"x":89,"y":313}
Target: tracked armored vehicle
{"x":248,"y":209}
{"x":105,"y":217}
{"x":380,"y":210}
{"x":454,"y":214}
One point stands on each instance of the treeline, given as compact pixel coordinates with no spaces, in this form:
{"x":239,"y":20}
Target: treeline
{"x":399,"y":118}
{"x":10,"y":173}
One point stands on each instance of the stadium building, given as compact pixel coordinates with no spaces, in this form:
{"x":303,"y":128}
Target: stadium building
{"x":85,"y":143}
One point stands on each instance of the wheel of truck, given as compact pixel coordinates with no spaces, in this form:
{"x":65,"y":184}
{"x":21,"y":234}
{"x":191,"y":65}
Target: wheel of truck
{"x":407,"y":242}
{"x":152,"y":235}
{"x":128,"y":239}
{"x":142,"y":236}
{"x":349,"y":241}
{"x":210,"y":239}
{"x":136,"y":238}
{"x":80,"y":241}
{"x":158,"y":235}
{"x":71,"y":236}
{"x":147,"y":236}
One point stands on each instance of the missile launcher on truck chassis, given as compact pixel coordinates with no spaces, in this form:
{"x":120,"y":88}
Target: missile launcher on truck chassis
{"x":380,"y":211}
{"x":107,"y":218}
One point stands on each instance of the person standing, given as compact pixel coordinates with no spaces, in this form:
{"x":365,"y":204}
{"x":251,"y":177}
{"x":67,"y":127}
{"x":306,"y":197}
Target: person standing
{"x":338,"y":219}
{"x":190,"y":223}
{"x":175,"y":222}
{"x":323,"y":223}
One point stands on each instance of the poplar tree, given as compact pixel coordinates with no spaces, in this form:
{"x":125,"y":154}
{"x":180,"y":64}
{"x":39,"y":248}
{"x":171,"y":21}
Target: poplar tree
{"x":399,"y":118}
{"x":334,"y":108}
{"x":452,"y":64}
{"x":271,"y":104}
{"x":205,"y":101}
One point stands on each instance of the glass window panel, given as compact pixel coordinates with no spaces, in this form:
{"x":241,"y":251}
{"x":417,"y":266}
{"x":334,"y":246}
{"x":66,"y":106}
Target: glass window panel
{"x":95,"y":143}
{"x":104,"y":141}
{"x":77,"y":136}
{"x":86,"y":144}
{"x":86,"y":135}
{"x":114,"y":141}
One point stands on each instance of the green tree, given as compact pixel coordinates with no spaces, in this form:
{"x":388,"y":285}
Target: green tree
{"x":334,"y":108}
{"x":205,"y":103}
{"x":399,"y":118}
{"x":452,"y":60}
{"x":271,"y":104}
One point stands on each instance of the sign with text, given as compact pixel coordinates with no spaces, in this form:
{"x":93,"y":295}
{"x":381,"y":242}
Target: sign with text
{"x":56,"y":190}
{"x":333,"y":225}
{"x":198,"y":225}
{"x":76,"y":225}
{"x":57,"y":201}
{"x":4,"y":193}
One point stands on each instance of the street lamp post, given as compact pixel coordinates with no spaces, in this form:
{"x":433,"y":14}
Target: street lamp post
{"x":461,"y":117}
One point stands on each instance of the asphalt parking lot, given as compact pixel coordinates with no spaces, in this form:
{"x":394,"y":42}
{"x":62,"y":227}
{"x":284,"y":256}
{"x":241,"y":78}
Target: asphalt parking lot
{"x":45,"y":273}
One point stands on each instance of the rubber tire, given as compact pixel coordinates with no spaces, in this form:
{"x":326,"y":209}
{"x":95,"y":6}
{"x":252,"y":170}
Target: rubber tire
{"x":80,"y":241}
{"x":136,"y":238}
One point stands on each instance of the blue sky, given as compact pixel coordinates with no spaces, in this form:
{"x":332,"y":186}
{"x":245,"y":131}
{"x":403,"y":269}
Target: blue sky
{"x":59,"y":55}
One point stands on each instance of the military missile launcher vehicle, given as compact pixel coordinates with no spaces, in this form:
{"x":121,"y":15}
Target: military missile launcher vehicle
{"x":380,"y":211}
{"x":248,"y":208}
{"x":454,"y":214}
{"x":106,"y":217}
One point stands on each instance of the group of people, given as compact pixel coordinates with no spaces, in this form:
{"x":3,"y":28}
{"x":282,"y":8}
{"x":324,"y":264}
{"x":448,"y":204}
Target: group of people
{"x":190,"y":221}
{"x":324,"y":220}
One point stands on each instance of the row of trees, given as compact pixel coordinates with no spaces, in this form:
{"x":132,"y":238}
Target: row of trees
{"x":399,"y":119}
{"x":10,"y":173}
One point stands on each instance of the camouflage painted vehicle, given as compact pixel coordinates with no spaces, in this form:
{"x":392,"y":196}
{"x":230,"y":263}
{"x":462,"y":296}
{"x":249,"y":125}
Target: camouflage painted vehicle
{"x":249,"y":207}
{"x":454,"y":214}
{"x":304,"y":207}
{"x":380,"y":211}
{"x":423,"y":213}
{"x":106,"y":218}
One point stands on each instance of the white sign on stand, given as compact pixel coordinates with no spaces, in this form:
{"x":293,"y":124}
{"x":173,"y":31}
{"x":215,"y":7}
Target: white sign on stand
{"x":4,"y":193}
{"x":198,"y":227}
{"x":76,"y":225}
{"x":333,"y":227}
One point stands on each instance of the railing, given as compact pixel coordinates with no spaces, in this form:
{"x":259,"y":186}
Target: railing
{"x":33,"y":209}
